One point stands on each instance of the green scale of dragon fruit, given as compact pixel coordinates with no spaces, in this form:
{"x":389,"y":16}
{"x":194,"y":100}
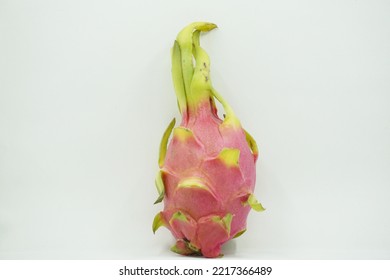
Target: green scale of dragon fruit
{"x":207,"y":170}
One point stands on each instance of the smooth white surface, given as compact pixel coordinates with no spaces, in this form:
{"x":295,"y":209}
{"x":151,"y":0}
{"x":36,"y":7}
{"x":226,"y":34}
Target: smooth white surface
{"x":86,"y":93}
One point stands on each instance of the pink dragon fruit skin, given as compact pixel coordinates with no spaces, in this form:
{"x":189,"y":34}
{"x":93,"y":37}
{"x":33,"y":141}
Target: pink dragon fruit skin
{"x":207,"y":171}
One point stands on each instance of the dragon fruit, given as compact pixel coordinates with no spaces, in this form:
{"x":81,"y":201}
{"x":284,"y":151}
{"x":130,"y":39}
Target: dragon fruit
{"x":207,"y":171}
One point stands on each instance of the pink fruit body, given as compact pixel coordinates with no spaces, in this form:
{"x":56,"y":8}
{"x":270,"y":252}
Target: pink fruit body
{"x":207,"y":171}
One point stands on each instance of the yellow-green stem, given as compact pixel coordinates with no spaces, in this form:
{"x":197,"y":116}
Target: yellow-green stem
{"x":183,"y":68}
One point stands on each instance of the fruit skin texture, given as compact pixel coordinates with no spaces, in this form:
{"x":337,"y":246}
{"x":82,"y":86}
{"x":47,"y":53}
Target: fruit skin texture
{"x":207,"y":171}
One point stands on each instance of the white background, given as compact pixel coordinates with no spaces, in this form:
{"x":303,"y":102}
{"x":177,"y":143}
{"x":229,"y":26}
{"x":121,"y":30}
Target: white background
{"x":86,"y":93}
